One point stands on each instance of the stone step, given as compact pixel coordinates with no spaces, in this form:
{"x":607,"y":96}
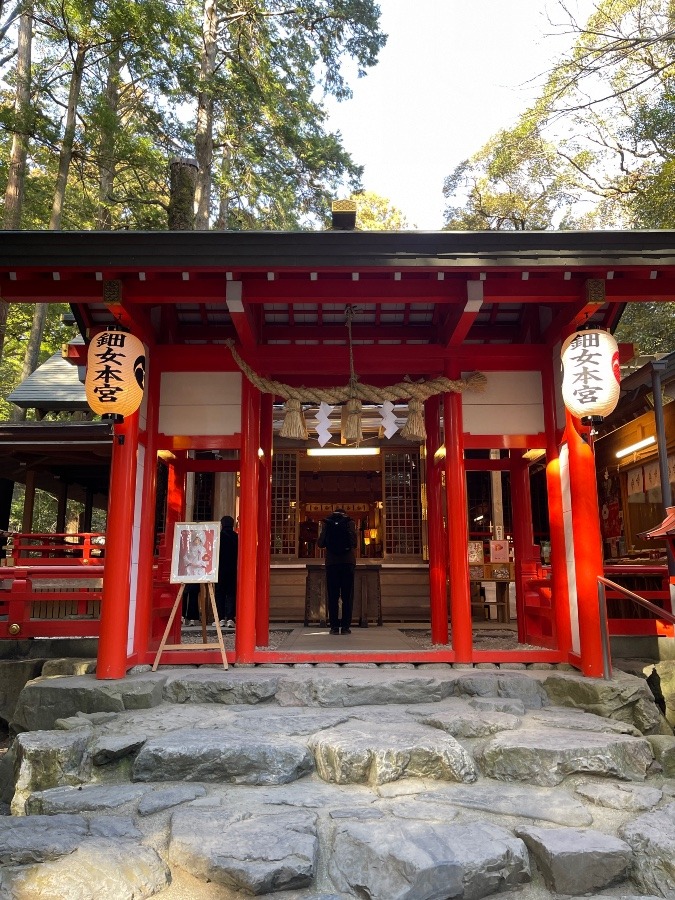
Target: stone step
{"x":325,"y":784}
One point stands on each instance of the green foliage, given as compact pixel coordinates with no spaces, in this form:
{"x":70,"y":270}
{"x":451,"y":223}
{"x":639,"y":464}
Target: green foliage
{"x":511,"y":184}
{"x":650,"y":326}
{"x":277,"y":165}
{"x":376,"y":213}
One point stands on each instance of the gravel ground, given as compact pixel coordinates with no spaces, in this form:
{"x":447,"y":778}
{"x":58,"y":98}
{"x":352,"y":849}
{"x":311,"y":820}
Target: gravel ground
{"x":482,"y":640}
{"x":492,"y":639}
{"x":194,"y":636}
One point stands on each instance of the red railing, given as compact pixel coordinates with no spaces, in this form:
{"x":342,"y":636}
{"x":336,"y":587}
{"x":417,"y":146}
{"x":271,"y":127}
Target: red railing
{"x":51,"y":585}
{"x":60,"y":549}
{"x":651,"y":582}
{"x":50,"y":600}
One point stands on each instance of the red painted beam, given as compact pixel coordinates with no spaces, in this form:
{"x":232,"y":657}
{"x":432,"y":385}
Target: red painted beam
{"x":241,"y":315}
{"x":207,"y":465}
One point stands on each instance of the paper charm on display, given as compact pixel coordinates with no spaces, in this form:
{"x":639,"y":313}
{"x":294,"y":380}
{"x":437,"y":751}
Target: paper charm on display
{"x":115,"y":373}
{"x":591,"y":375}
{"x":388,"y":419}
{"x":323,"y":423}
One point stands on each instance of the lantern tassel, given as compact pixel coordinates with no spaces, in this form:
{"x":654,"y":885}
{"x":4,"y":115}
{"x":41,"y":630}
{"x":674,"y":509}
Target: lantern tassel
{"x":414,"y":428}
{"x":294,"y":425}
{"x":352,"y":431}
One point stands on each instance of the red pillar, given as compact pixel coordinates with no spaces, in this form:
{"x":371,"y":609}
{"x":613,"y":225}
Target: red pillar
{"x":559,"y":584}
{"x":587,"y":548}
{"x":458,"y":528}
{"x":523,"y":534}
{"x":244,"y":642}
{"x":146,"y":548}
{"x":262,"y":623}
{"x":437,"y":556}
{"x":112,"y":643}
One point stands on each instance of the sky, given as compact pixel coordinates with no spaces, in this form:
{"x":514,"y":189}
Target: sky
{"x":453,"y":72}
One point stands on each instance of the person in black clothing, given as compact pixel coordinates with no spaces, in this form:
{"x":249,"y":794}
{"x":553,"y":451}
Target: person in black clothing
{"x":340,"y":575}
{"x":226,"y":586}
{"x":191,"y":604}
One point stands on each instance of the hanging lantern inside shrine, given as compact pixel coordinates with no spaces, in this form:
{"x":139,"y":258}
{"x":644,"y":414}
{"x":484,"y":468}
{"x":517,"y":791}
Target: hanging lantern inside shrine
{"x":591,"y":374}
{"x":115,"y":373}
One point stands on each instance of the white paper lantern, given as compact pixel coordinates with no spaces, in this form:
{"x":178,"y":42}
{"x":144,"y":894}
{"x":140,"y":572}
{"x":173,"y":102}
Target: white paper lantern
{"x":115,"y":373}
{"x":591,"y":374}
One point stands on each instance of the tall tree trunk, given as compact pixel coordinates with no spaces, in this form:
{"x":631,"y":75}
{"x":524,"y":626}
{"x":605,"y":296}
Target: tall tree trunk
{"x":32,"y":355}
{"x":107,"y":161}
{"x":66,"y":154}
{"x":223,"y":221}
{"x":204,"y":129}
{"x":17,"y":161}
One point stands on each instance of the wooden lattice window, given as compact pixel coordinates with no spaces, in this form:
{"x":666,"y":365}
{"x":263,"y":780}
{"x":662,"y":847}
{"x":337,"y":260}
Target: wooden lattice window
{"x":284,"y":504}
{"x":203,"y":497}
{"x":402,"y":506}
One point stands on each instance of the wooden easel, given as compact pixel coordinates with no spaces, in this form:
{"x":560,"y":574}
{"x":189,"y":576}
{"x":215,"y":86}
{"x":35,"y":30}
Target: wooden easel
{"x":202,"y":615}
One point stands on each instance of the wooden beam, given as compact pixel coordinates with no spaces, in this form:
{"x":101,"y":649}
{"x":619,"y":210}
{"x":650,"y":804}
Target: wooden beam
{"x":241,"y":315}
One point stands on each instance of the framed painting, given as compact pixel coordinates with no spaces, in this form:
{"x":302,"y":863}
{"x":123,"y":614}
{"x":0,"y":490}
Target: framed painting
{"x":499,"y":551}
{"x":194,"y":557}
{"x":475,"y":553}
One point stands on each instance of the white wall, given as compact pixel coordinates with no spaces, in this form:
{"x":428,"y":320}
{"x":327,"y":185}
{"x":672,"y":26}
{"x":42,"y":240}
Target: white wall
{"x":200,"y":403}
{"x":511,"y":404}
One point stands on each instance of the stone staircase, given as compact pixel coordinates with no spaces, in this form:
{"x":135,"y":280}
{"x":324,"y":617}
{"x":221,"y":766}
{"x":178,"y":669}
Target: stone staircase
{"x":327,"y":782}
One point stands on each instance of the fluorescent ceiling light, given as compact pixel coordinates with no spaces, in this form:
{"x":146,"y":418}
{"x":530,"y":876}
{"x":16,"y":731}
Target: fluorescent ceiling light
{"x":343,"y":451}
{"x":639,"y":445}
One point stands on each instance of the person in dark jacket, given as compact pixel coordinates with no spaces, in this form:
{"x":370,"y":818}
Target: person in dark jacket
{"x":226,"y":586}
{"x":340,"y":576}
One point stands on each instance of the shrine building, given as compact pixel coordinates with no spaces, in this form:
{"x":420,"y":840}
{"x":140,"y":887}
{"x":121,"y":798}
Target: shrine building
{"x":411,"y":378}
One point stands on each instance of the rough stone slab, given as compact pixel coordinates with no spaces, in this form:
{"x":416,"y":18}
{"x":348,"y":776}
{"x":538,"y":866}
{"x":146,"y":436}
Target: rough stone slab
{"x":565,"y":717}
{"x":413,"y":860}
{"x":68,"y":666}
{"x":217,"y":686}
{"x":34,"y":839}
{"x":652,"y":837}
{"x":114,"y":827}
{"x":258,"y":855}
{"x":71,"y":723}
{"x":156,"y":801}
{"x":461,"y":720}
{"x":228,"y":756}
{"x":546,"y":757}
{"x":14,"y":673}
{"x":663,"y":748}
{"x":625,"y":698}
{"x":510,"y":685}
{"x":513,"y":800}
{"x":354,"y":690}
{"x":92,"y":797}
{"x":414,"y":808}
{"x":665,"y":672}
{"x":109,"y":747}
{"x":514,"y":707}
{"x":635,"y":797}
{"x":95,"y":870}
{"x":48,"y":759}
{"x":352,"y":754}
{"x":291,"y":722}
{"x":45,"y":700}
{"x":575,"y":861}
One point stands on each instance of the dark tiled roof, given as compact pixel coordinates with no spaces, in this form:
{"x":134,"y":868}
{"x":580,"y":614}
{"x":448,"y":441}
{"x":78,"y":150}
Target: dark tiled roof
{"x":55,"y":385}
